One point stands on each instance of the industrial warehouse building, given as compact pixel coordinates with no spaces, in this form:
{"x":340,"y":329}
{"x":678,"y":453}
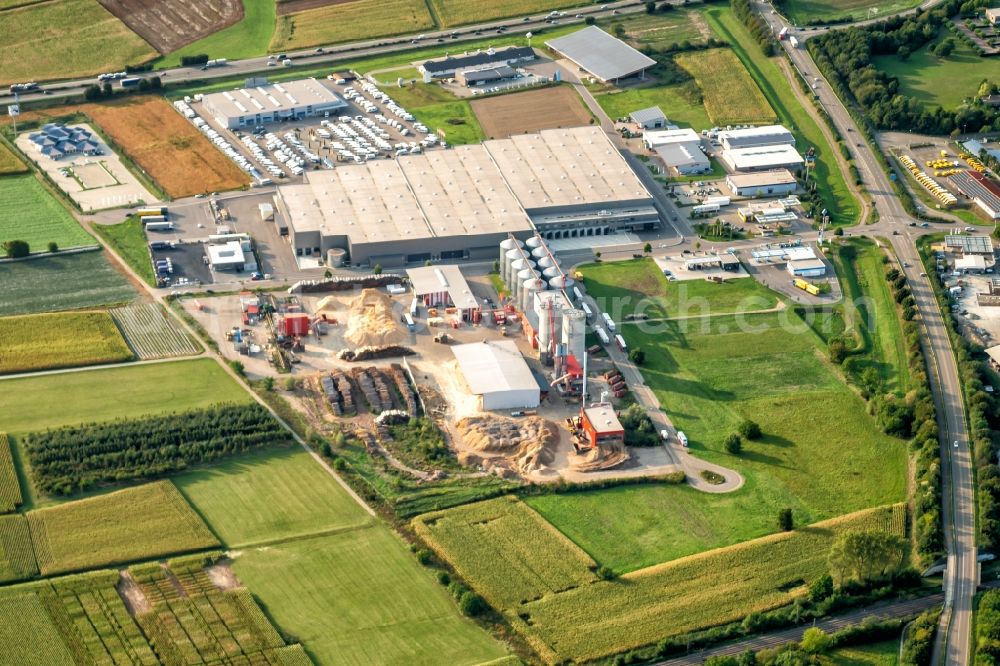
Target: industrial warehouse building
{"x":965,"y":244}
{"x":762,"y":158}
{"x":983,"y":192}
{"x":443,"y":285}
{"x":649,"y":119}
{"x":756,"y":137}
{"x":763,"y":183}
{"x":497,"y":373}
{"x":680,"y":150}
{"x":477,"y":76}
{"x":605,"y":57}
{"x":444,"y":68}
{"x":460,"y":203}
{"x":291,"y":100}
{"x":807,"y":268}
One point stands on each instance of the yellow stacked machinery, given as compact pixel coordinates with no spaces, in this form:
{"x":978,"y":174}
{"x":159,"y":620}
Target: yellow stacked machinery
{"x":940,"y":193}
{"x":973,"y":162}
{"x":807,"y":287}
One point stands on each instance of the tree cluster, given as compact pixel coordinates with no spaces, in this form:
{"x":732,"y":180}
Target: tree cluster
{"x":846,"y":57}
{"x":755,"y":24}
{"x":74,"y":458}
{"x":639,"y":428}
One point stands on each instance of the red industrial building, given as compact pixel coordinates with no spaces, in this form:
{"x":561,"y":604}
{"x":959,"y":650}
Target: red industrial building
{"x":295,"y":324}
{"x":601,"y":426}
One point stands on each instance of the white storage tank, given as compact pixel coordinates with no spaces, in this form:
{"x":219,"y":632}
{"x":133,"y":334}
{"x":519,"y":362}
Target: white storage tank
{"x":574,"y":333}
{"x":551,"y":272}
{"x":540,"y":251}
{"x":528,"y":291}
{"x":505,"y":272}
{"x":548,"y":261}
{"x":505,"y":247}
{"x":517,"y":288}
{"x":561,"y":282}
{"x":335,"y":257}
{"x":534,"y":242}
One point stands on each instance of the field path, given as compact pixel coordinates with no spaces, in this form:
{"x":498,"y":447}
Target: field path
{"x":105,"y":366}
{"x":777,"y":308}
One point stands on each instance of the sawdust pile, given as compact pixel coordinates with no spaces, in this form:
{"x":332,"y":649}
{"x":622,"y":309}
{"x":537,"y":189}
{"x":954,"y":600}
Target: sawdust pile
{"x":508,"y":446}
{"x":595,"y":460}
{"x":371,"y":322}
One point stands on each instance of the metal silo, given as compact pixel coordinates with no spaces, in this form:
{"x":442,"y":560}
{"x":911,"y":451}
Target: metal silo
{"x":517,"y":289}
{"x":510,"y":256}
{"x":505,"y":247}
{"x":530,"y":287}
{"x":574,"y":332}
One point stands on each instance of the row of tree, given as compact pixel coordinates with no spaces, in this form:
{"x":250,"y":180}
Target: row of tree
{"x":67,"y":460}
{"x":757,"y":26}
{"x":846,"y":57}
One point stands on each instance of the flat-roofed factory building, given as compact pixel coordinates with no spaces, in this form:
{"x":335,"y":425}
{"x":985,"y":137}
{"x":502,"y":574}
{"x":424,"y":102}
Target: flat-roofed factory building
{"x":291,"y":100}
{"x":443,"y":68}
{"x":461,"y":203}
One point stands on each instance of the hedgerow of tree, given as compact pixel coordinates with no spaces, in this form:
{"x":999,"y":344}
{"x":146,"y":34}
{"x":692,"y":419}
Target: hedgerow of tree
{"x":75,"y":458}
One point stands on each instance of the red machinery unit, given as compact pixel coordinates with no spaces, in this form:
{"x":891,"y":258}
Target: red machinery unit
{"x":296,"y":324}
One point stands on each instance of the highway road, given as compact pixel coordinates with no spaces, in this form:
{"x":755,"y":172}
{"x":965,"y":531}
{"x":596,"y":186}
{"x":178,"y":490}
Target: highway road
{"x":341,"y":52}
{"x":961,"y":576}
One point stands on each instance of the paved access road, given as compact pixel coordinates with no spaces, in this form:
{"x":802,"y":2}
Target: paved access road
{"x":961,"y":576}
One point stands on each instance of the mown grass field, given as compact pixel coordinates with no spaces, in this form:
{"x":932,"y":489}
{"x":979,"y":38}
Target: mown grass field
{"x":935,"y":81}
{"x":110,"y":393}
{"x":137,"y":523}
{"x":66,"y":282}
{"x":456,"y":120}
{"x":681,"y":102}
{"x":247,"y":38}
{"x":638,"y":286}
{"x":460,"y":12}
{"x":65,"y":40}
{"x":31,"y":214}
{"x":600,"y":618}
{"x":814,"y":11}
{"x":885,"y":653}
{"x":129,"y":240}
{"x":836,"y":195}
{"x":10,"y":486}
{"x":729,"y":94}
{"x":166,"y":146}
{"x":350,"y":21}
{"x":270,"y":496}
{"x":9,"y":162}
{"x":49,"y":341}
{"x":360,"y":597}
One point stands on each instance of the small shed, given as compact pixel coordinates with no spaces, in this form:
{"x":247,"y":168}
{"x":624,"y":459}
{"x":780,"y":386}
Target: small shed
{"x":650,"y":118}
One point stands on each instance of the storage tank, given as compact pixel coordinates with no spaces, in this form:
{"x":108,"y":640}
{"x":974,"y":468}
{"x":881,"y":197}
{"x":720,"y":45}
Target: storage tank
{"x":561,"y":282}
{"x":505,"y":247}
{"x":517,"y":288}
{"x":547,"y":260}
{"x":574,"y":332}
{"x":528,"y":291}
{"x":551,"y":272}
{"x":544,"y":324}
{"x":534,"y":242}
{"x":509,"y":257}
{"x":540,"y":251}
{"x":335,"y":257}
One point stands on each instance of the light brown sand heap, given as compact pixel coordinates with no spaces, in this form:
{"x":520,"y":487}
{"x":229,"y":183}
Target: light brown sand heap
{"x":370,"y":321}
{"x":519,"y":445}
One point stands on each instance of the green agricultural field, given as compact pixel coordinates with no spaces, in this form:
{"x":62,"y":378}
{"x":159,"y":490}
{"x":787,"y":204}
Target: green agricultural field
{"x":350,"y":21}
{"x":64,"y":282}
{"x":245,"y":39}
{"x":359,"y":597}
{"x":10,"y":486}
{"x":455,"y":119}
{"x":17,"y":556}
{"x":935,"y":81}
{"x":681,"y":102}
{"x":28,"y":634}
{"x":596,"y":618}
{"x":48,"y":341}
{"x":885,"y":653}
{"x":31,"y":214}
{"x":819,"y":11}
{"x":9,"y":162}
{"x":459,"y":12}
{"x":111,"y":393}
{"x":836,"y":195}
{"x":129,"y":240}
{"x":638,"y":286}
{"x":66,"y":40}
{"x":137,"y":523}
{"x":151,"y":333}
{"x":270,"y":496}
{"x":729,"y":94}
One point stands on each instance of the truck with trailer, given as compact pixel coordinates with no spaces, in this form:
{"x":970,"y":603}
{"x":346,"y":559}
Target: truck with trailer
{"x":587,"y":311}
{"x":149,"y":219}
{"x":608,"y":321}
{"x":620,"y":341}
{"x":408,"y":320}
{"x":130,"y":81}
{"x":160,"y":226}
{"x":151,"y":210}
{"x":601,"y":335}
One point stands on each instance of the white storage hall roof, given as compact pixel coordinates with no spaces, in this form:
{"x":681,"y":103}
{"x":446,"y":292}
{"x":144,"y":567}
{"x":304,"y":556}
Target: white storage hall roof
{"x":762,"y":178}
{"x":762,"y":157}
{"x":494,"y":366}
{"x":599,"y":53}
{"x":753,"y":135}
{"x":662,"y":137}
{"x":565,"y":167}
{"x":273,"y":97}
{"x":435,"y":279}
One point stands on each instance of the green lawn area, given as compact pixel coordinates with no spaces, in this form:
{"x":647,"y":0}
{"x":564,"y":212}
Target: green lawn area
{"x":885,"y":653}
{"x":129,"y":240}
{"x":268,"y":496}
{"x":245,"y":39}
{"x":816,"y":11}
{"x":360,"y":597}
{"x":833,"y":188}
{"x":680,"y":102}
{"x":638,"y":286}
{"x":935,"y":81}
{"x":50,"y":284}
{"x":50,"y":401}
{"x":31,"y":214}
{"x":455,"y":119}
{"x":417,"y":95}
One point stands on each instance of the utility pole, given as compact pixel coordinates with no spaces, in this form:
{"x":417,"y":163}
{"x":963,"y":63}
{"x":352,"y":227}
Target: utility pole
{"x":14,"y":110}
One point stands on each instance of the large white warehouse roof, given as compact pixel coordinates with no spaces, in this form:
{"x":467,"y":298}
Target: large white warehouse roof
{"x":763,"y":157}
{"x":599,"y":53}
{"x":496,"y":371}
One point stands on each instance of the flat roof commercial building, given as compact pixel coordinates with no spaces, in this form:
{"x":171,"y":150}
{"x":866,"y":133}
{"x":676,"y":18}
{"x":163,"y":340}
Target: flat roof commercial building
{"x":972,"y":263}
{"x":807,"y":268}
{"x":227,"y":256}
{"x":461,"y":203}
{"x":443,"y":68}
{"x":601,"y":426}
{"x":607,"y":58}
{"x":497,"y":373}
{"x":763,"y":158}
{"x":968,"y":244}
{"x":983,"y":192}
{"x":477,"y":76}
{"x":442,"y":285}
{"x":680,"y":150}
{"x":290,"y":100}
{"x":755,"y":137}
{"x":763,"y":183}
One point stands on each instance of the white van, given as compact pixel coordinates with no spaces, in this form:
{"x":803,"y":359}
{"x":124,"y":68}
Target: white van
{"x":682,"y":438}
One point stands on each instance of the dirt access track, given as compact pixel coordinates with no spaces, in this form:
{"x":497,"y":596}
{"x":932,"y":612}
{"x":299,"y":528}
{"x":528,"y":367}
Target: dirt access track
{"x":292,"y":6}
{"x":170,"y":24}
{"x":525,"y":112}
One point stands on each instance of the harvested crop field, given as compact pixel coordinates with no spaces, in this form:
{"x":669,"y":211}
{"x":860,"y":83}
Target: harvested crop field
{"x":65,"y":40}
{"x":350,"y":21}
{"x":151,"y":334}
{"x":459,"y":12}
{"x":292,"y":6}
{"x":171,"y":150}
{"x":9,"y":162}
{"x":729,"y":94}
{"x":61,"y":282}
{"x":523,"y":112}
{"x":48,"y":341}
{"x":170,"y":24}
